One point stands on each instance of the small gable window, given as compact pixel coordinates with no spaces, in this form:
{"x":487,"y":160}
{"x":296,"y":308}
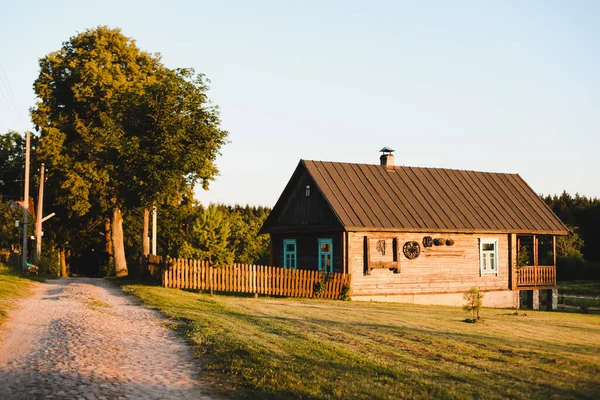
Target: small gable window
{"x":488,"y":256}
{"x":307,"y":190}
{"x":289,"y":253}
{"x":325,"y":255}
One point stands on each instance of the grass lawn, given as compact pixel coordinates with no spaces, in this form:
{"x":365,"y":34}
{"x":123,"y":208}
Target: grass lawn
{"x":12,"y":287}
{"x":302,"y":348}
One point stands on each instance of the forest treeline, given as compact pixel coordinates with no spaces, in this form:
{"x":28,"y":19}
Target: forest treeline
{"x":578,"y":255}
{"x":218,"y":233}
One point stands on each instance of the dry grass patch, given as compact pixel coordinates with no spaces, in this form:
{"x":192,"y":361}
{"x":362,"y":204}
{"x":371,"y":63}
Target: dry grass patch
{"x":302,"y":348}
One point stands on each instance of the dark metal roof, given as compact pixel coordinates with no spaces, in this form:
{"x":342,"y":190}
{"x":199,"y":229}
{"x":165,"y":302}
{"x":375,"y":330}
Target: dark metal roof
{"x":392,"y":198}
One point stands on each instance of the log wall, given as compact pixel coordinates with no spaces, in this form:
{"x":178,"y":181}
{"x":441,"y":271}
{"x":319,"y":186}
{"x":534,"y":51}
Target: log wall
{"x":438,"y":269}
{"x":307,"y":249}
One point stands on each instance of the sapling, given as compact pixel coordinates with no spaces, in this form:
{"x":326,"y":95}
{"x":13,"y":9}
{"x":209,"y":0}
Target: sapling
{"x":473,"y":298}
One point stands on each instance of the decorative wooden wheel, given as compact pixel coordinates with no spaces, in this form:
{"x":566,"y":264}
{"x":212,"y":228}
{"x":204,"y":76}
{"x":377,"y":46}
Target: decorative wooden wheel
{"x":411,"y":250}
{"x":427,"y":241}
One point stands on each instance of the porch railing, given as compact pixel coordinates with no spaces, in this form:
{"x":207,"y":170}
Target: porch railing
{"x":536,"y":276}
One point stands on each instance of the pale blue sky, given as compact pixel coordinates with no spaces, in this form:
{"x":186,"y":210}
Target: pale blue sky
{"x":505,"y":86}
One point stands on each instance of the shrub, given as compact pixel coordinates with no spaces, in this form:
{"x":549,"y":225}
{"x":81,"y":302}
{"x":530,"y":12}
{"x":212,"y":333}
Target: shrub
{"x":319,"y":287}
{"x":49,"y":264}
{"x":345,"y":292}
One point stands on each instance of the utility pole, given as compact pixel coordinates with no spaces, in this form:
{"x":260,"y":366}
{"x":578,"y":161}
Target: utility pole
{"x":145,"y":236}
{"x":38,"y":217}
{"x":26,"y":201}
{"x":154,"y":230}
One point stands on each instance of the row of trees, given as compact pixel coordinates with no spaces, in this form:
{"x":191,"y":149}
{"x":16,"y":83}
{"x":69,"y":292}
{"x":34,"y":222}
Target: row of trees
{"x":578,"y":255}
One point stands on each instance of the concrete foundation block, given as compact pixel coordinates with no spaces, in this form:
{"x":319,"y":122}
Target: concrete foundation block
{"x":533,"y":299}
{"x":551,"y":299}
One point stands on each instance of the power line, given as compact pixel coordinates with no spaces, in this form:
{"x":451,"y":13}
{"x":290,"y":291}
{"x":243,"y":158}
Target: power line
{"x":12,"y":96}
{"x":9,"y":97}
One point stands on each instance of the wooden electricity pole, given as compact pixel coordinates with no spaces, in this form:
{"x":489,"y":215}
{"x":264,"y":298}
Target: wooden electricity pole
{"x":145,"y":237}
{"x":26,"y":200}
{"x":154,"y":230}
{"x":38,"y":218}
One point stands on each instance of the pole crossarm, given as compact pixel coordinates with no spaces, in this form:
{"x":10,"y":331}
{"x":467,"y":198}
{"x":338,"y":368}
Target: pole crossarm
{"x":47,"y":217}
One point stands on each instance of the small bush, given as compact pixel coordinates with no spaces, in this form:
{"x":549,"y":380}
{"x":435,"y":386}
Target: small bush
{"x":345,"y":292}
{"x":49,"y":265}
{"x":319,"y":287}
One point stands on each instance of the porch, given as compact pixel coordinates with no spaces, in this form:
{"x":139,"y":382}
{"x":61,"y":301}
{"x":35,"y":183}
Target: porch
{"x":534,"y":261}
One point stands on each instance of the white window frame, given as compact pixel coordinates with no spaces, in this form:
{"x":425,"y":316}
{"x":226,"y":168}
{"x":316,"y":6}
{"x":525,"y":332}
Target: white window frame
{"x":484,"y":255}
{"x":293,"y":254}
{"x":328,"y":241}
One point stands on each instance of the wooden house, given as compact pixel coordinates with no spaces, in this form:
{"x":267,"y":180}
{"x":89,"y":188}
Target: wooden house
{"x":420,"y":235}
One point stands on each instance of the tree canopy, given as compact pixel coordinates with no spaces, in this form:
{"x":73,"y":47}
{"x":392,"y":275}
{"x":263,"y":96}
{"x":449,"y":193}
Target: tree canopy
{"x":118,"y":129}
{"x":12,"y":161}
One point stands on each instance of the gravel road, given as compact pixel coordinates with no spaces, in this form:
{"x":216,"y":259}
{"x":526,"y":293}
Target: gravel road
{"x":82,"y":338}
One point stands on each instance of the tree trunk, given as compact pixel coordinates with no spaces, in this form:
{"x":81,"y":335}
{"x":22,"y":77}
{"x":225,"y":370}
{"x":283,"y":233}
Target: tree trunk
{"x":118,"y":243}
{"x":110,"y":261}
{"x":62,"y":259}
{"x":145,"y":237}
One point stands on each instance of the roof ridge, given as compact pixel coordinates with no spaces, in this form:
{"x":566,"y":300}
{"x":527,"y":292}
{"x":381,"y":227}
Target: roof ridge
{"x":409,"y":166}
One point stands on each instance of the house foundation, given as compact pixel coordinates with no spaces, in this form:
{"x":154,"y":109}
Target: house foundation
{"x":535,"y":298}
{"x":493,"y":299}
{"x":551,"y":299}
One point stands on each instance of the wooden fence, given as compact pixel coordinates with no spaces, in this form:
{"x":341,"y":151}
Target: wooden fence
{"x":258,"y":279}
{"x":154,"y":265}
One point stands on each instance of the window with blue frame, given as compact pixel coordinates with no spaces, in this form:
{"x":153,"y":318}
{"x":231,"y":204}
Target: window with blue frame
{"x":289,"y":253}
{"x":325,"y":255}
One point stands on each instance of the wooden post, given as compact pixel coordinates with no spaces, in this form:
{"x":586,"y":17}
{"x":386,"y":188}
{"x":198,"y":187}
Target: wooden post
{"x":344,"y":252}
{"x":26,"y":200}
{"x":210,"y":282}
{"x":38,"y":218}
{"x":367,"y":256}
{"x":535,"y":251}
{"x":513,"y":260}
{"x":145,"y":237}
{"x":554,"y":249}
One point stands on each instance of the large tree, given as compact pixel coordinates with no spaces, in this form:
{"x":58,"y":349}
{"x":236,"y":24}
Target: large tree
{"x":120,"y":130}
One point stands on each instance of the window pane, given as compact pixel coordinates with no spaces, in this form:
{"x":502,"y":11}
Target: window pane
{"x":488,"y":247}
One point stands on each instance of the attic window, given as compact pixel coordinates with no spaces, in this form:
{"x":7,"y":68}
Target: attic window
{"x":307,"y":190}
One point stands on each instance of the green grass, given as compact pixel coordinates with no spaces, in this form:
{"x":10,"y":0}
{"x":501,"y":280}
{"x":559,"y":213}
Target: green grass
{"x":12,"y":287}
{"x":302,"y":348}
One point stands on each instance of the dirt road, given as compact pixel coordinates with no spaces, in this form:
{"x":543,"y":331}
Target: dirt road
{"x":82,"y":338}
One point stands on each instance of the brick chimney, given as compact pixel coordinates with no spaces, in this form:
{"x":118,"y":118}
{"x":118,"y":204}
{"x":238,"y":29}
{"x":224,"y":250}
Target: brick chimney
{"x":387,"y":158}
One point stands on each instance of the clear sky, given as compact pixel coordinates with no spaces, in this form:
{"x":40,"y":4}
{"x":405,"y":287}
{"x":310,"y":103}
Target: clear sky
{"x":504,"y":86}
